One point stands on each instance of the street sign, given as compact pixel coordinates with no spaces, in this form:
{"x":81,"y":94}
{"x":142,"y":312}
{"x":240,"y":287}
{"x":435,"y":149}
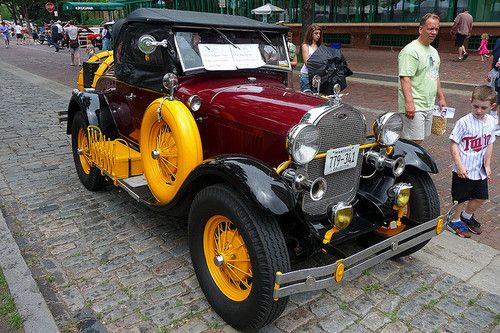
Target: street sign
{"x":50,"y":7}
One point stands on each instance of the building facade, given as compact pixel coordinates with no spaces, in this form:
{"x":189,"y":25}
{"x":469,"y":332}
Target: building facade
{"x":358,"y":23}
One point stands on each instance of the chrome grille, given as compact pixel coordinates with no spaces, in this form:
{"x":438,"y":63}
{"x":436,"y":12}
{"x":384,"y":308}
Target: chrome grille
{"x":340,"y":127}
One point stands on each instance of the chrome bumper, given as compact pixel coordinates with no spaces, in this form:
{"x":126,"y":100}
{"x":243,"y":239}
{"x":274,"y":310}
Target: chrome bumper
{"x":325,"y":276}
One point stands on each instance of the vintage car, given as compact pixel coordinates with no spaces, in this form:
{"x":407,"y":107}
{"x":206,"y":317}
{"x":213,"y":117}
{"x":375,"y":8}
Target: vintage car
{"x":190,"y":114}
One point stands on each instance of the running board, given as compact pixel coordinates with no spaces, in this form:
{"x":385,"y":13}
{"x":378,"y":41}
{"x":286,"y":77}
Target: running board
{"x":138,"y":189}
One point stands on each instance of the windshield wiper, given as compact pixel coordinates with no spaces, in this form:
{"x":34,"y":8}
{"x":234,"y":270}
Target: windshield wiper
{"x":268,"y":41}
{"x":225,"y":37}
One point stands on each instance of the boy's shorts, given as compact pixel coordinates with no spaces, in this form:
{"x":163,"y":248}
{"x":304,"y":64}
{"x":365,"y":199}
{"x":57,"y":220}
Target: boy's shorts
{"x":464,"y":189}
{"x":417,"y":128}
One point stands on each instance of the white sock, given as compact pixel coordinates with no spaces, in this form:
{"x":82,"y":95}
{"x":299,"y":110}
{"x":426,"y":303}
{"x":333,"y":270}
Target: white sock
{"x":466,"y":215}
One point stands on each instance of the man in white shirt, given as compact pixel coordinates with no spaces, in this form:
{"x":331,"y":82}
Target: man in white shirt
{"x":74,"y":45}
{"x":19,"y":34}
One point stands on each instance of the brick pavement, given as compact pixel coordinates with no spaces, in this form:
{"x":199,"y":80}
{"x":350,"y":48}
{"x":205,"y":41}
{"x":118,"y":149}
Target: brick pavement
{"x":103,"y":251}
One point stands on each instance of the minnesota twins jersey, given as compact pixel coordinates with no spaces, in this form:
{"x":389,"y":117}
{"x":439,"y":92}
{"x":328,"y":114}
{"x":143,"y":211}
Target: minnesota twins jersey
{"x":473,"y":137}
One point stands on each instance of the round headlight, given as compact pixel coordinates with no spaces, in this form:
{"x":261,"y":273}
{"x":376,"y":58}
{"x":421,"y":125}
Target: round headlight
{"x":387,"y":128}
{"x":303,"y":143}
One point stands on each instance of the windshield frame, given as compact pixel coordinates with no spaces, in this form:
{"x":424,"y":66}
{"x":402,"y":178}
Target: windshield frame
{"x":280,"y":37}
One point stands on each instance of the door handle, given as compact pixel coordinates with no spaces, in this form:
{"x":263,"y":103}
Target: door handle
{"x":130,"y":97}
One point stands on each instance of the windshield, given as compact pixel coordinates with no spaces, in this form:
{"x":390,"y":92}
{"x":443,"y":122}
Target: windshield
{"x":230,"y":50}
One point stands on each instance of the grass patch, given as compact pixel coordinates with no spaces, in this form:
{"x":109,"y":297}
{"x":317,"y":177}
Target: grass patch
{"x":344,"y":306}
{"x":8,"y":310}
{"x":127,"y":291}
{"x":431,"y":304}
{"x":372,"y":287}
{"x":392,"y":315}
{"x":473,"y":301}
{"x":141,"y":315}
{"x":424,"y":288}
{"x":496,"y":321}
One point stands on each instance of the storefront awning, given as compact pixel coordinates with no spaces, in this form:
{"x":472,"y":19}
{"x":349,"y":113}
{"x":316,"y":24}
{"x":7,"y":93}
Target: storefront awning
{"x":89,"y":6}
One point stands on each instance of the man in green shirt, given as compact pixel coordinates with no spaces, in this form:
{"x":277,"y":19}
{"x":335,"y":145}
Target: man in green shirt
{"x":419,"y":81}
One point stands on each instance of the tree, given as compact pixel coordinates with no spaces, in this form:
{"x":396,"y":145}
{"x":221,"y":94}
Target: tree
{"x":307,"y":14}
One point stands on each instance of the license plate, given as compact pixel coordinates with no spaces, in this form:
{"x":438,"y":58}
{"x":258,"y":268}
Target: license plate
{"x":341,"y":159}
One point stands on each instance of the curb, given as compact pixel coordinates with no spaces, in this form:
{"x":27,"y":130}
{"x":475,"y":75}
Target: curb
{"x":394,"y":79}
{"x":23,"y":288}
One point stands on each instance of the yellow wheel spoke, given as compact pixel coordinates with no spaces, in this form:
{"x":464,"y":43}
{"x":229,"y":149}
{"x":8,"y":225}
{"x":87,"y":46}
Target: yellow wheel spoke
{"x":245,"y":283}
{"x":231,"y":251}
{"x":238,"y":260}
{"x":167,"y":167}
{"x":231,"y":266}
{"x":166,"y":160}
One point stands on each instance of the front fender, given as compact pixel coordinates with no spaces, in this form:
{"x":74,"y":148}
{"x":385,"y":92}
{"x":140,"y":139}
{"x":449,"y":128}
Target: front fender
{"x":96,"y":110}
{"x":415,"y":156}
{"x":257,"y":182}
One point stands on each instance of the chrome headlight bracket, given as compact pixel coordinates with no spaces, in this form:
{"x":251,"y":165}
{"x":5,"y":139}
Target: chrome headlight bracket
{"x":387,"y":128}
{"x":303,"y":142}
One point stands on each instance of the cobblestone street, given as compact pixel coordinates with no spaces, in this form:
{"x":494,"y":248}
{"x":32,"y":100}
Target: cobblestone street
{"x":103,"y":261}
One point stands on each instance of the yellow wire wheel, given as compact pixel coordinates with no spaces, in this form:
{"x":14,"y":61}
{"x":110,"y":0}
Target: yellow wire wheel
{"x":83,"y":146}
{"x":170,"y":147}
{"x":227,"y":258}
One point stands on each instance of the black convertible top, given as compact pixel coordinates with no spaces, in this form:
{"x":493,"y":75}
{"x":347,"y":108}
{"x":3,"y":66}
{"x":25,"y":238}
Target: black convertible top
{"x":199,"y":19}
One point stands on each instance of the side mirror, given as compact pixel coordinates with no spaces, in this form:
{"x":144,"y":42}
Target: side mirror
{"x":147,"y":44}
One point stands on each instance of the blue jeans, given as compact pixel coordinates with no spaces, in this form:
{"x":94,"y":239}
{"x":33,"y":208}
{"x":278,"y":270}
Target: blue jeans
{"x":304,"y":82}
{"x":106,"y":44}
{"x":55,"y":42}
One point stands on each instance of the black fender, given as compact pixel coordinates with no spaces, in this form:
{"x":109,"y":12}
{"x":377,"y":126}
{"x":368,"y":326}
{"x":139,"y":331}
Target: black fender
{"x":253,"y":179}
{"x":96,"y":110}
{"x":415,"y":156}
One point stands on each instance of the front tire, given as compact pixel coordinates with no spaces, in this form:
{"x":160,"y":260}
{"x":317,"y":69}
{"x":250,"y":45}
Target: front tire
{"x":236,"y":251}
{"x":422,"y":207}
{"x":89,"y":175}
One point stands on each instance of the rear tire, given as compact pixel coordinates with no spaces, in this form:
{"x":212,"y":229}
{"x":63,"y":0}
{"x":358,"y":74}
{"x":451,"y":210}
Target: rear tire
{"x":236,"y":251}
{"x":89,"y":175}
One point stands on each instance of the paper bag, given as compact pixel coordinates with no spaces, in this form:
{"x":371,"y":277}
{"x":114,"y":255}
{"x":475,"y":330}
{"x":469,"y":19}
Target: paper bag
{"x":438,"y":125}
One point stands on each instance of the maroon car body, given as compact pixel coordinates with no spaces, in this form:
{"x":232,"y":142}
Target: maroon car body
{"x":276,"y":175}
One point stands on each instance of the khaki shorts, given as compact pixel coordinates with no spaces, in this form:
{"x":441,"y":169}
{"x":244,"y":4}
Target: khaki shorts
{"x":419,"y":127}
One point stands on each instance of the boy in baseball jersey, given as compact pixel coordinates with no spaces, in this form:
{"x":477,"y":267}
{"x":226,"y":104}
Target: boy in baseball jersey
{"x":471,"y":144}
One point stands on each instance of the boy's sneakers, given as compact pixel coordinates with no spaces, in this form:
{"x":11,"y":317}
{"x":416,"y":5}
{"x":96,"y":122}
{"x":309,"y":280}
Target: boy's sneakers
{"x":458,"y":228}
{"x":472,"y":224}
{"x":465,"y":56}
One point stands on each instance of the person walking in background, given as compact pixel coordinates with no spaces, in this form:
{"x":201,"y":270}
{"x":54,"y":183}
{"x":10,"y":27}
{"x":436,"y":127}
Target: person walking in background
{"x":483,"y":47}
{"x":494,"y":80}
{"x":19,"y":34}
{"x":54,"y":33}
{"x":471,"y":145}
{"x":312,"y":41}
{"x":419,"y":81}
{"x":5,"y":31}
{"x":462,"y":28}
{"x":74,"y":44}
{"x":106,"y":38}
{"x":34,"y":33}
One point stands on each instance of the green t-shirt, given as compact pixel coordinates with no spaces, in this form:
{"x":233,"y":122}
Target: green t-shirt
{"x":421,"y":63}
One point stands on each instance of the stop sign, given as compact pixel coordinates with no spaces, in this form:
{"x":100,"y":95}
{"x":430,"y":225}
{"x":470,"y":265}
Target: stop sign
{"x":50,"y":7}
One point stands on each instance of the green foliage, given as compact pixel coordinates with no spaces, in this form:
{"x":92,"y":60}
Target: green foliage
{"x":4,"y":13}
{"x":8,"y":309}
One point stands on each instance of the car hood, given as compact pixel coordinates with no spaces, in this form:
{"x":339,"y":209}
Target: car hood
{"x":265,"y":104}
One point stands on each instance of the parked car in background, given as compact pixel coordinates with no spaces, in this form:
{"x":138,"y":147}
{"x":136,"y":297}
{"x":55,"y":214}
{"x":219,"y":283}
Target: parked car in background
{"x":190,"y":114}
{"x":92,"y":35}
